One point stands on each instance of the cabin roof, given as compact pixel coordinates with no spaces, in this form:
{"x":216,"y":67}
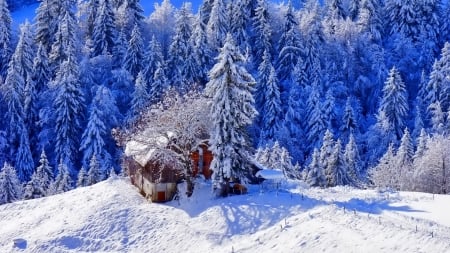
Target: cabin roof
{"x":143,"y":145}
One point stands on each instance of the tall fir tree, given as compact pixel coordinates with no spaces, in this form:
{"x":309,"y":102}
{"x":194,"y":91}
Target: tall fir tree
{"x":40,"y":184}
{"x":232,"y":110}
{"x":153,"y":58}
{"x":10,"y":186}
{"x":140,"y":97}
{"x":352,"y":160}
{"x":104,"y":30}
{"x":217,"y":26}
{"x":394,"y":102}
{"x":315,"y":176}
{"x":134,"y":55}
{"x":68,"y":109}
{"x":262,"y":41}
{"x":5,"y":37}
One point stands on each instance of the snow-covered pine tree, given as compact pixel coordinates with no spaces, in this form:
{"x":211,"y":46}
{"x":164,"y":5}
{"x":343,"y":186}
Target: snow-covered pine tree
{"x":92,"y":140}
{"x":46,"y":23}
{"x":294,"y":123}
{"x":104,"y":31}
{"x":404,"y":160}
{"x":63,"y":181}
{"x":64,"y":45}
{"x":315,"y":176}
{"x":394,"y":102}
{"x":10,"y":186}
{"x":202,"y":51}
{"x":316,"y":125}
{"x":130,"y":14}
{"x":349,"y":122}
{"x":437,"y":117}
{"x":421,"y":144}
{"x":418,"y":123}
{"x":181,"y":44}
{"x":140,"y":98}
{"x":40,"y":184}
{"x":232,"y":110}
{"x":289,"y":47}
{"x":329,"y":107}
{"x":68,"y":107}
{"x":239,"y":20}
{"x":341,"y":174}
{"x":326,"y":159}
{"x":268,"y":101}
{"x":119,"y":50}
{"x":18,"y":137}
{"x":217,"y":26}
{"x":5,"y":37}
{"x":352,"y":160}
{"x":153,"y":58}
{"x":94,"y":175}
{"x":262,"y":33}
{"x":134,"y":55}
{"x":82,"y":179}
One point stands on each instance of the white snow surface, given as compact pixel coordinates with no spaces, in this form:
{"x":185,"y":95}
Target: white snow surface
{"x":112,"y":217}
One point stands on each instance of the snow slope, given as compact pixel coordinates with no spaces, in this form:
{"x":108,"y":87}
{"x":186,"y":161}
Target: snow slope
{"x":112,"y":217}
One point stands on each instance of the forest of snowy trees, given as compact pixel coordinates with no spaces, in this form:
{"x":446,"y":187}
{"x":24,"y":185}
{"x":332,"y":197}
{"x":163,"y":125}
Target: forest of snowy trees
{"x":348,"y":92}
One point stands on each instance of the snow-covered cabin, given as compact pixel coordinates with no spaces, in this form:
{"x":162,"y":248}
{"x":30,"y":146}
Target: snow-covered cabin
{"x":156,"y":171}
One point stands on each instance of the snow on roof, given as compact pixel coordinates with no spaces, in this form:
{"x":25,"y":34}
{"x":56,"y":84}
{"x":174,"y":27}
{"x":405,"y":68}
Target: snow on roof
{"x":270,"y":174}
{"x":143,"y":145}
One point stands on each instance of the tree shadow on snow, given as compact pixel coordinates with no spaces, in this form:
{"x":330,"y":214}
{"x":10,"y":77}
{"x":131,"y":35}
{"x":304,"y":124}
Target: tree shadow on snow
{"x":373,"y":206}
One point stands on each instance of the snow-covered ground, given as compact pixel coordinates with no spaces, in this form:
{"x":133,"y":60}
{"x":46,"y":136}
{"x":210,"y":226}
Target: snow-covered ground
{"x":112,"y":217}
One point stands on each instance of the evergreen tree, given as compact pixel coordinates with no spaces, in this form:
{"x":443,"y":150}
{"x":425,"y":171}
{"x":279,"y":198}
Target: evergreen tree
{"x":262,"y":41}
{"x":140,"y":97}
{"x":181,"y":48}
{"x":437,"y":117}
{"x":232,"y":110}
{"x":268,"y":101}
{"x":315,"y":175}
{"x":404,"y":160}
{"x":132,"y":14}
{"x":158,"y":85}
{"x":329,"y":109}
{"x":349,"y":122}
{"x":202,"y":51}
{"x":289,"y":47}
{"x":10,"y":187}
{"x":327,"y":161}
{"x":394,"y":102}
{"x":316,"y":125}
{"x":418,"y":123}
{"x":104,"y":30}
{"x":46,"y":23}
{"x":82,"y":180}
{"x":120,"y":50}
{"x":352,"y":159}
{"x":153,"y":58}
{"x":421,"y":145}
{"x":217,"y":26}
{"x":64,"y":44}
{"x":439,"y":85}
{"x":339,"y":171}
{"x":63,"y":181}
{"x":95,"y":174}
{"x":68,"y":112}
{"x":92,"y":140}
{"x":134,"y":54}
{"x":294,"y":117}
{"x":5,"y":37}
{"x":40,"y":184}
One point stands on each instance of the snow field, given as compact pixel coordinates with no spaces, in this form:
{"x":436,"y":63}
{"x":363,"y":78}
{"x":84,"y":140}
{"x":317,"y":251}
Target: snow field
{"x":112,"y":217}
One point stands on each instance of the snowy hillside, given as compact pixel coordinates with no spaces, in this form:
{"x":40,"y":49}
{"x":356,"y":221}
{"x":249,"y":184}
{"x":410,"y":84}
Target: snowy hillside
{"x":112,"y":217}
